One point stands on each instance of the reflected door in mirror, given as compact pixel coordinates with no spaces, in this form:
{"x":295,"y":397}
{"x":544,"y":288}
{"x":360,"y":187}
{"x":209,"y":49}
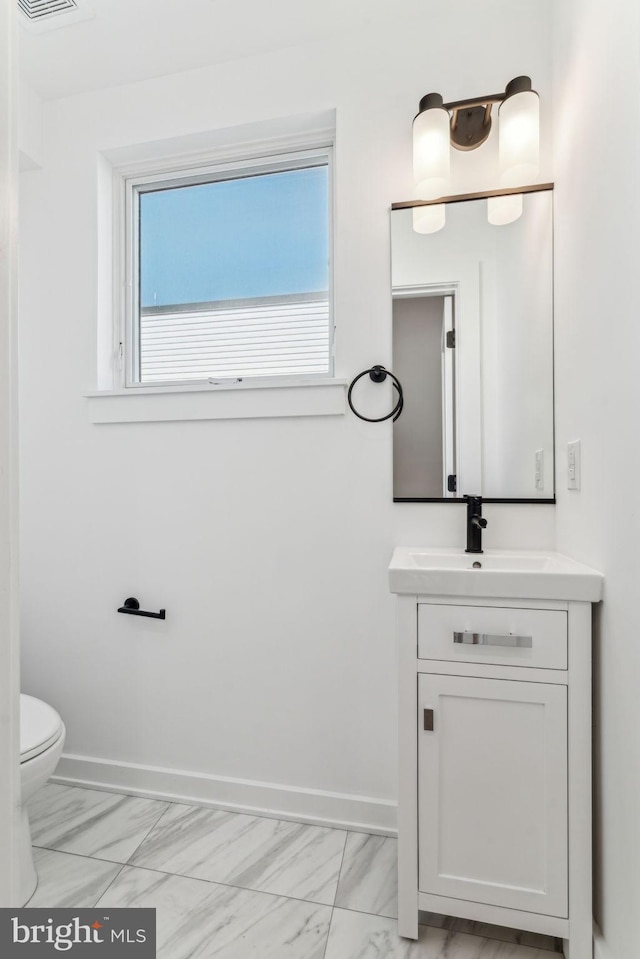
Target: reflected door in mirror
{"x":424,"y":457}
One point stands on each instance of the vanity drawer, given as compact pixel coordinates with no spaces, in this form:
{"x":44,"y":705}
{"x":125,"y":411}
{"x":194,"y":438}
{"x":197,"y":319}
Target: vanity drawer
{"x":493,"y":634}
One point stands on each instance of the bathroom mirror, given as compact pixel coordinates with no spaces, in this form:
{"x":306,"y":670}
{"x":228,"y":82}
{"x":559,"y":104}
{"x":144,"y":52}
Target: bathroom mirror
{"x":473,"y":348}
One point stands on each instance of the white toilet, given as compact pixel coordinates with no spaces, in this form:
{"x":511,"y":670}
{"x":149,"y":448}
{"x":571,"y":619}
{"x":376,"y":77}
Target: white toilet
{"x":42,"y":735}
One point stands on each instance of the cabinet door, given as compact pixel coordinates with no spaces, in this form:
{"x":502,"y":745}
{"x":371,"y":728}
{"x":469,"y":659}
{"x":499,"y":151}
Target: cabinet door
{"x":492,"y":787}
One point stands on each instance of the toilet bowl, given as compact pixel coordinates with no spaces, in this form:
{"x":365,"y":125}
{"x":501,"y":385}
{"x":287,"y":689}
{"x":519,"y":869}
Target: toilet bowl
{"x":42,"y":735}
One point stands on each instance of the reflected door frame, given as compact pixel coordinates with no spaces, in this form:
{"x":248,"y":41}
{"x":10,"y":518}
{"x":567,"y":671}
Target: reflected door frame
{"x":462,"y":397}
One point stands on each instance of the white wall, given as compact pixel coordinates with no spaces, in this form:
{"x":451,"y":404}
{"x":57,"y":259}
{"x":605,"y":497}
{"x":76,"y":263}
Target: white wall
{"x":518,"y":388}
{"x":266,"y":540}
{"x":597,"y":136}
{"x":9,"y":680}
{"x":30,"y":143}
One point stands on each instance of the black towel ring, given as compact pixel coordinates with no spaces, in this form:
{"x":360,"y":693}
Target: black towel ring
{"x":378,"y":374}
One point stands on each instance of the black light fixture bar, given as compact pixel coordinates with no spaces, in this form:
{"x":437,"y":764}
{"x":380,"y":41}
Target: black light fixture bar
{"x":517,"y":85}
{"x":476,"y":102}
{"x":470,"y":122}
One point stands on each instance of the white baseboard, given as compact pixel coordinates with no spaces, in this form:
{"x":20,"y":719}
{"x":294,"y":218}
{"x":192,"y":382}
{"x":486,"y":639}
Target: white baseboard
{"x":600,"y":948}
{"x":314,"y":806}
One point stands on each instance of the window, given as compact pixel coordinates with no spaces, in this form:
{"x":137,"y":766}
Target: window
{"x":228,"y":273}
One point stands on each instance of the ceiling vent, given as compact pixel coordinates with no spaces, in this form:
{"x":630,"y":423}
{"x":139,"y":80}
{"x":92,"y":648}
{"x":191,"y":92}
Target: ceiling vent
{"x":41,"y":15}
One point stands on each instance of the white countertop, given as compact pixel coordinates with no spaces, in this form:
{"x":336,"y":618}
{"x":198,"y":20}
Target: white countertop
{"x":510,"y":574}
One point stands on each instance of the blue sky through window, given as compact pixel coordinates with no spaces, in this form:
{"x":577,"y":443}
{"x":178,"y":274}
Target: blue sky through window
{"x":255,"y":236}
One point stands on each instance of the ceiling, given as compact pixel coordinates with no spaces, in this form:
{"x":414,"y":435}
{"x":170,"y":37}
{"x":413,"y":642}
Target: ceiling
{"x":131,"y":40}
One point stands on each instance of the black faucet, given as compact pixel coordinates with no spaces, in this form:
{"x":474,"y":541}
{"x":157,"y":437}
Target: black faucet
{"x":475,"y":524}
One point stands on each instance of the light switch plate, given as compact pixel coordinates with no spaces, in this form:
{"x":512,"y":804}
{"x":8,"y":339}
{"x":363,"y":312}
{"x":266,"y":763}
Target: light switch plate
{"x":573,"y":465}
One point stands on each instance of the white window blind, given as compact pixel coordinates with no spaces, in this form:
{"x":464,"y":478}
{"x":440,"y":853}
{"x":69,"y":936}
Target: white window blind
{"x":268,"y":336}
{"x":230,"y":272}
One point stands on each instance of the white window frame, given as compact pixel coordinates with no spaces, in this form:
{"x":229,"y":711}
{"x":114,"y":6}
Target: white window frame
{"x":133,"y":184}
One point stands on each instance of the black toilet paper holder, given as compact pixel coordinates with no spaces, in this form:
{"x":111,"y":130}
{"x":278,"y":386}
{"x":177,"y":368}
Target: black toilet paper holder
{"x":132,"y":607}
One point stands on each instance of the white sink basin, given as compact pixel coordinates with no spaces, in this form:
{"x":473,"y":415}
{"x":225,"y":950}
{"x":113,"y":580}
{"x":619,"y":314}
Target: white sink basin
{"x":486,"y":560}
{"x":516,"y":574}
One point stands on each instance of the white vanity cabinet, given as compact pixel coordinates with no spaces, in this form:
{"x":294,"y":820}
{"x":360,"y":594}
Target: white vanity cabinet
{"x":494,"y":817}
{"x":492,"y":788}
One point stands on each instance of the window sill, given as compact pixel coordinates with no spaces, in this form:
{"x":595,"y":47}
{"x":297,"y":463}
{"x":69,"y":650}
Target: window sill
{"x":161,"y":404}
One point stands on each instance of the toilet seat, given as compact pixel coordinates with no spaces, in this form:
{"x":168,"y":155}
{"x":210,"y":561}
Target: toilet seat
{"x":40,"y":727}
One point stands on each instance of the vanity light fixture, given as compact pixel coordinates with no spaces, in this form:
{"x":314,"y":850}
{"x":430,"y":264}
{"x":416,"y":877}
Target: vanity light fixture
{"x":504,"y":209}
{"x":431,"y":159}
{"x":465,"y":125}
{"x":429,"y":219}
{"x":519,"y":133}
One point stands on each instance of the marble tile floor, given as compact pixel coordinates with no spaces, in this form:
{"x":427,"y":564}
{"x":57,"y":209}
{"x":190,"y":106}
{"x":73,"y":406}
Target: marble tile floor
{"x":232,"y":886}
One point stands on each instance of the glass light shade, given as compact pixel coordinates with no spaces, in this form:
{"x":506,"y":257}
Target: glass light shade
{"x":519,"y":138}
{"x":504,"y":209}
{"x":429,"y":219}
{"x":431,"y":159}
